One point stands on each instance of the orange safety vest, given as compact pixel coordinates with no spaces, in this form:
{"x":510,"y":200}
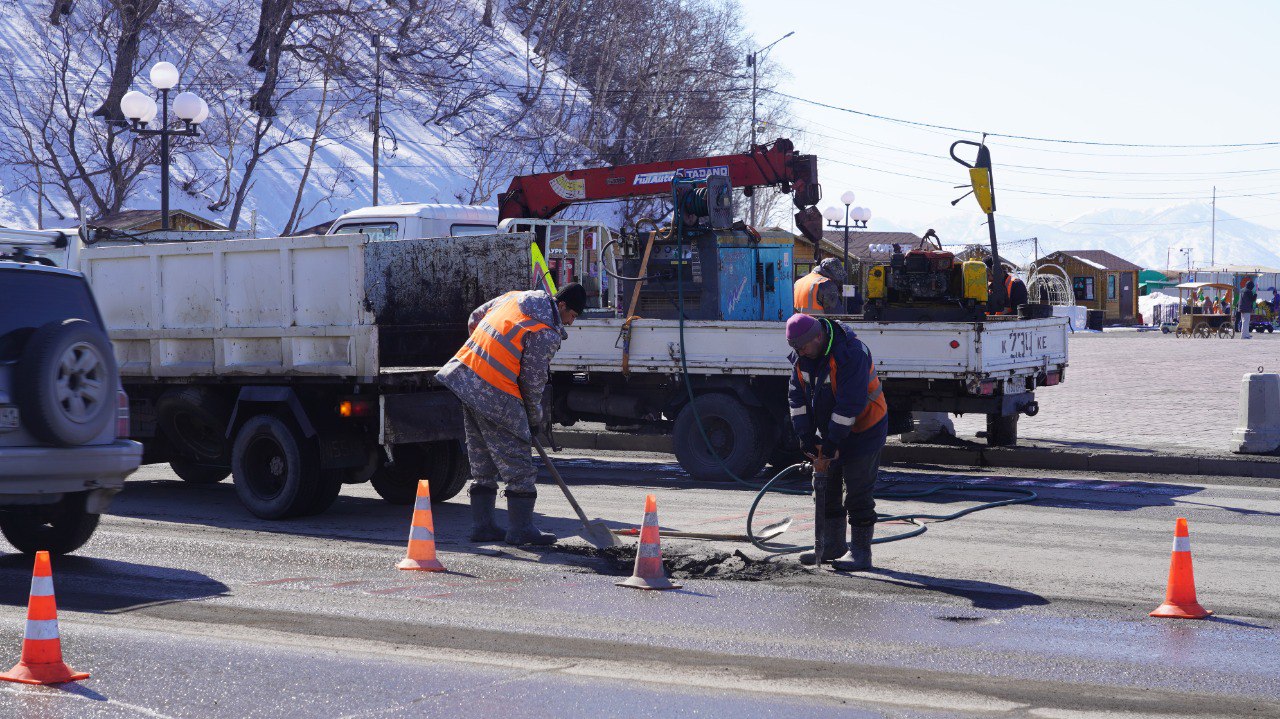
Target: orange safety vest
{"x":495,"y":347}
{"x":876,"y":407}
{"x":1008,"y":295}
{"x":806,"y":294}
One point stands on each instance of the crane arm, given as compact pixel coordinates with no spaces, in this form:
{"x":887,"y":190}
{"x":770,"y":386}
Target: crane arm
{"x":778,"y":164}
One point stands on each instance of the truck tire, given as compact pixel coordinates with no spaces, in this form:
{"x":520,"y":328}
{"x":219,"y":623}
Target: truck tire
{"x":443,"y":464}
{"x":277,"y":472}
{"x":1002,"y":431}
{"x":57,"y":528}
{"x":328,"y":487}
{"x":735,"y":431}
{"x":66,"y":383}
{"x":194,"y":421}
{"x":194,"y":472}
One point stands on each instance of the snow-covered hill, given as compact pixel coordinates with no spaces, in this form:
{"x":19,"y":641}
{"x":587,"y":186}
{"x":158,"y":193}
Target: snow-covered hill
{"x":1147,"y":237}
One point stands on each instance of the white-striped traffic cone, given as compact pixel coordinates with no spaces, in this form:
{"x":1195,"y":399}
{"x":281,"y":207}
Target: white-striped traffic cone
{"x":421,"y":554}
{"x":41,"y":661}
{"x":649,"y":572}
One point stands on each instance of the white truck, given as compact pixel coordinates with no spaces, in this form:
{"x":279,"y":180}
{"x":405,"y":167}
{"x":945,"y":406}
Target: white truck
{"x":299,"y":364}
{"x":739,"y":373}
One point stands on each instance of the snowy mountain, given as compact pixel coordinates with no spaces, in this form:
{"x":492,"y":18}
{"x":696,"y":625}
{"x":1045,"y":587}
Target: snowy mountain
{"x":1146,"y":237}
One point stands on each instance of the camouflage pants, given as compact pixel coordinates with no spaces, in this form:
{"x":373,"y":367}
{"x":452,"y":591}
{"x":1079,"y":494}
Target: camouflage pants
{"x":497,"y":452}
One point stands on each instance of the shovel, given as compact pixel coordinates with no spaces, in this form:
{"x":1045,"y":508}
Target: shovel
{"x":594,"y":531}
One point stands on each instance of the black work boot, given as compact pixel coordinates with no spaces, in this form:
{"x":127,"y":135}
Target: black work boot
{"x":859,"y":557}
{"x":828,"y":541}
{"x":520,"y":516}
{"x":483,"y":527}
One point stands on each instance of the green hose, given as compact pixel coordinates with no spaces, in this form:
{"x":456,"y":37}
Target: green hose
{"x":1024,"y":496}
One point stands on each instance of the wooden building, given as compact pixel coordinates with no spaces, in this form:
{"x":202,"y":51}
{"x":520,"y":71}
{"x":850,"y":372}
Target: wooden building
{"x":149,"y":221}
{"x":1100,"y":281}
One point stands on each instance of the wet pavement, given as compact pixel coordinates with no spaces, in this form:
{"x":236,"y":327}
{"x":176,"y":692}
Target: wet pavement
{"x":184,"y":605}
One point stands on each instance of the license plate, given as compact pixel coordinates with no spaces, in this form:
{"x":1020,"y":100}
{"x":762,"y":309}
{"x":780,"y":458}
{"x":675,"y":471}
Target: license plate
{"x":1021,"y":344}
{"x":8,"y":418}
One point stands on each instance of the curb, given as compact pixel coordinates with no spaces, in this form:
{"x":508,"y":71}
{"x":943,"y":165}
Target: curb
{"x":1018,"y":458}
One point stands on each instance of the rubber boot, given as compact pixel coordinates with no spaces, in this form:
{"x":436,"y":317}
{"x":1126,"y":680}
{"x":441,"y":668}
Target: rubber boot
{"x":483,"y":527}
{"x":520,"y":516}
{"x":828,"y":541}
{"x":859,"y":557}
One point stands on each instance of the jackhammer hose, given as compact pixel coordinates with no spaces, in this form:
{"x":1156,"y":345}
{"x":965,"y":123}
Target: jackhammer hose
{"x":1023,"y":496}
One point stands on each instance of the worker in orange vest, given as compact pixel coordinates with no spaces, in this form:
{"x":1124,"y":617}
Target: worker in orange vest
{"x":821,"y":291}
{"x":499,"y":375}
{"x":834,"y":393}
{"x":1009,"y":298}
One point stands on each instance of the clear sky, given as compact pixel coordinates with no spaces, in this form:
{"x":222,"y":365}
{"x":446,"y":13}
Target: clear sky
{"x":1125,"y":71}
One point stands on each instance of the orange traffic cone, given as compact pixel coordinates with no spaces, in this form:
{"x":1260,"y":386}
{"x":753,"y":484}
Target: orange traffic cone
{"x":421,"y":554}
{"x":41,"y":661}
{"x":649,"y":572}
{"x":1180,"y":598}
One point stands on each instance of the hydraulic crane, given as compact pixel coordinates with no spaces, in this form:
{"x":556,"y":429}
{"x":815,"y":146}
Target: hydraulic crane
{"x":776,"y":164}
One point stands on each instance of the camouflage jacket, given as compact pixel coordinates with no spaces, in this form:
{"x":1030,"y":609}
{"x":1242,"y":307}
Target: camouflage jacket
{"x":535,"y":367}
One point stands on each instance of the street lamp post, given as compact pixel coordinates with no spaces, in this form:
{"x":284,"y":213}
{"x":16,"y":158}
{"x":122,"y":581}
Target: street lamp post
{"x":859,"y":217}
{"x":751,"y":62}
{"x":141,"y":109}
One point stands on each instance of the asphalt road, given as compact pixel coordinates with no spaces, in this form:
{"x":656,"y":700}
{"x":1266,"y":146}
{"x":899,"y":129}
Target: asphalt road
{"x":184,"y":605}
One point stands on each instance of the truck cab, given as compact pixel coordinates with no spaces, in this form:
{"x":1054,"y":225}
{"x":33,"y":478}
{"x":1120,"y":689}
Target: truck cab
{"x":417,"y":220}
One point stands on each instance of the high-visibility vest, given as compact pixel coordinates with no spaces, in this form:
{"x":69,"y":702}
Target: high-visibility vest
{"x":806,"y":294}
{"x":876,"y":407}
{"x":1008,"y":295}
{"x":496,"y":346}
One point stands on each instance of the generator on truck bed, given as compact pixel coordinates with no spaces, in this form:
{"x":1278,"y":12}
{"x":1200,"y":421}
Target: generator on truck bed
{"x":300,"y":364}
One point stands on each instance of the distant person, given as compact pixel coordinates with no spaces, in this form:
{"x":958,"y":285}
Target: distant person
{"x":1010,"y":297}
{"x":821,"y":292}
{"x":1207,"y":308}
{"x":1248,"y":299}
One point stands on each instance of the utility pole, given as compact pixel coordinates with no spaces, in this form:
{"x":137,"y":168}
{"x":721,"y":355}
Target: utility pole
{"x":376,"y":121}
{"x":1213,"y":226}
{"x":752,"y":58}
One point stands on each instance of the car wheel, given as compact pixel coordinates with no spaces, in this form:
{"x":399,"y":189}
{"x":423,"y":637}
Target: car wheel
{"x":734,"y":431}
{"x":197,"y":473}
{"x":57,"y":528}
{"x":276,"y":470}
{"x":66,"y":383}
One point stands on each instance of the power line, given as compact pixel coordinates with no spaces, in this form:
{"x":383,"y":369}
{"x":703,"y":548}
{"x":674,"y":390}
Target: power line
{"x":1032,"y":138}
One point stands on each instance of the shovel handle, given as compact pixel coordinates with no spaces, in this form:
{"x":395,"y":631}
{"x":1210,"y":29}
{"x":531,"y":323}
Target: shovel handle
{"x":555,"y":474}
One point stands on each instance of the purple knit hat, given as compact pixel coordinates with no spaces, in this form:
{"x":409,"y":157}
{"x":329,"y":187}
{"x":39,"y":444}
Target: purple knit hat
{"x":802,"y":329}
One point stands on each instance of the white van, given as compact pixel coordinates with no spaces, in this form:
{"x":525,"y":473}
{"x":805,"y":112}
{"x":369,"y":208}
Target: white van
{"x":417,"y":220}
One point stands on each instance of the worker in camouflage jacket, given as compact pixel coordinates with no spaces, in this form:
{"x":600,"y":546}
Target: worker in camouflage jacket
{"x":500,"y":374}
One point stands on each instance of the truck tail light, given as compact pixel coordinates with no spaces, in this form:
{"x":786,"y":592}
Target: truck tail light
{"x":122,"y":414}
{"x":355,"y":408}
{"x":987,"y":386}
{"x":955,"y":344}
{"x":1052,"y":379}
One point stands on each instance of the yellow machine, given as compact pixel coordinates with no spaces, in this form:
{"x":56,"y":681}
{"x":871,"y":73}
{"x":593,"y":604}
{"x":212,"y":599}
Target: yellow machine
{"x":926,"y":285}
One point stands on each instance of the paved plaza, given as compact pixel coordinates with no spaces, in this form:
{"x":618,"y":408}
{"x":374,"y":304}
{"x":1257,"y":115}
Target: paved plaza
{"x":1144,"y":391}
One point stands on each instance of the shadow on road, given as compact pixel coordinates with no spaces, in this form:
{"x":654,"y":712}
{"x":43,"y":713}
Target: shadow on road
{"x":1102,"y":494}
{"x":88,"y":584}
{"x":983,"y":595}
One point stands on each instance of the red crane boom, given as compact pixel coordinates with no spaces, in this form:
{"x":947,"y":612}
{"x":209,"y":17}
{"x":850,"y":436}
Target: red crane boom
{"x":778,"y":164}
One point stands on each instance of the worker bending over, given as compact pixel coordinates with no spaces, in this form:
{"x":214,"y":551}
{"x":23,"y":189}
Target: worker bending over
{"x":499,"y":375}
{"x":821,"y":291}
{"x":1004,"y":300}
{"x":834,"y":392}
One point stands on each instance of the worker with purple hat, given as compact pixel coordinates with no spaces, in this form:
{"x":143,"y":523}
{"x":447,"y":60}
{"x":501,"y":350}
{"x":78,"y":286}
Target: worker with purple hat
{"x":838,"y":411}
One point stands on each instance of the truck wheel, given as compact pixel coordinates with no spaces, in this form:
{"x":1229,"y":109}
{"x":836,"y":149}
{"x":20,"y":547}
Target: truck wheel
{"x":276,"y":471}
{"x":66,"y":383}
{"x":443,"y":464}
{"x":194,"y":420}
{"x":734,"y":431}
{"x":58,"y":528}
{"x":328,"y":487}
{"x":195,"y":472}
{"x":1002,"y":431}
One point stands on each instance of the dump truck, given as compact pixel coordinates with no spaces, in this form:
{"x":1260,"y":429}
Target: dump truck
{"x":296,"y":365}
